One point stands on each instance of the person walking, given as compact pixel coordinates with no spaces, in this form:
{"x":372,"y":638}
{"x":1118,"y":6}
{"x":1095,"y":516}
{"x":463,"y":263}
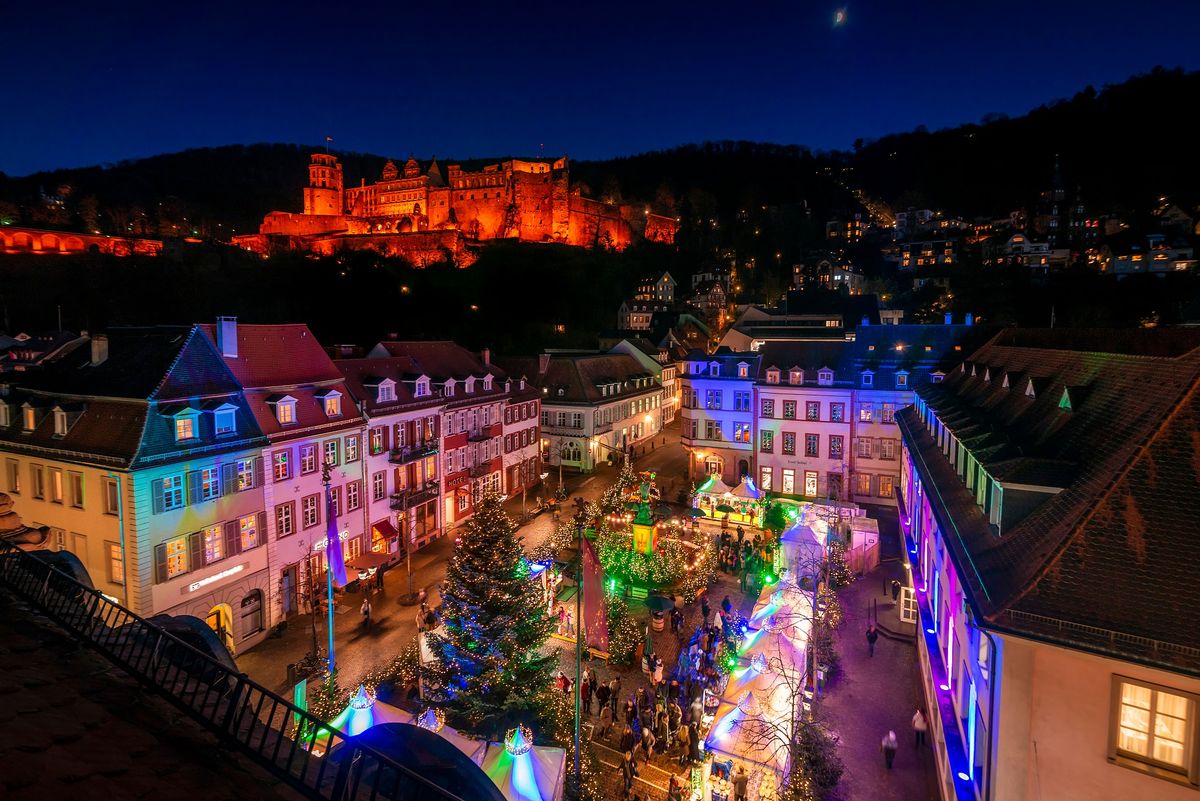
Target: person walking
{"x":694,"y":741}
{"x":872,"y":636}
{"x":628,"y":771}
{"x":606,"y":720}
{"x":888,"y":747}
{"x":585,"y":694}
{"x":365,"y":609}
{"x":674,"y":789}
{"x":658,"y":674}
{"x":602,"y":698}
{"x":920,"y":726}
{"x":705,"y":610}
{"x":740,"y":780}
{"x":648,"y":741}
{"x":626,"y":739}
{"x":614,"y":692}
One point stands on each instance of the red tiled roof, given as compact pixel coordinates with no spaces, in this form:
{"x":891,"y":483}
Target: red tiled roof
{"x":275,"y":360}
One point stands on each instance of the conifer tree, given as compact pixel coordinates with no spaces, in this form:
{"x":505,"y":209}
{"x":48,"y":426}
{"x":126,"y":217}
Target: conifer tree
{"x":489,"y":671}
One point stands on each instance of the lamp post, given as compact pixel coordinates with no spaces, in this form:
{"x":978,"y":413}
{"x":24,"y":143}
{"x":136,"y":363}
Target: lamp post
{"x":579,"y":627}
{"x":326,"y":473}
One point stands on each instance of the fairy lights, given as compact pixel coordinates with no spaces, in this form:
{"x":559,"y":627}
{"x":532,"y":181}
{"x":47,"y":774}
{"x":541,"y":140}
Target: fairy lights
{"x":519,"y":740}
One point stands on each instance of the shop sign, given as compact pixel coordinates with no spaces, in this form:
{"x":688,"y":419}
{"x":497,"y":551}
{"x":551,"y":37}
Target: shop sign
{"x":200,"y":584}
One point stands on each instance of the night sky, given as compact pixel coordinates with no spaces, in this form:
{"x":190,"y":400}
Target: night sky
{"x":110,"y":81}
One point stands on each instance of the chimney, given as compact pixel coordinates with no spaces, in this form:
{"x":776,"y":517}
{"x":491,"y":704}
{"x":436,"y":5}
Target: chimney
{"x":949,"y":319}
{"x":970,"y":319}
{"x":543,"y":363}
{"x":486,"y":355}
{"x":227,"y":337}
{"x":99,"y":349}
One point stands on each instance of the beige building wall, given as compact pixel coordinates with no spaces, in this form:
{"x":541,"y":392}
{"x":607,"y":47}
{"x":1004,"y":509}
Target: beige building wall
{"x":79,"y":525}
{"x":1055,"y":727}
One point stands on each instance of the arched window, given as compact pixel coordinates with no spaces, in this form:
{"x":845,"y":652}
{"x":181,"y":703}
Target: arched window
{"x":252,"y":614}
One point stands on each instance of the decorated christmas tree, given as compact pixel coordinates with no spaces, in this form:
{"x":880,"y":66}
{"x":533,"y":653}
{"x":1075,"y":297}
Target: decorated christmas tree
{"x":489,"y":673}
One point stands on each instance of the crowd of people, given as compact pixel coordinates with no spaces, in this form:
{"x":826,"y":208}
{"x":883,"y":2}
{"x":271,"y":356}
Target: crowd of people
{"x":744,"y":557}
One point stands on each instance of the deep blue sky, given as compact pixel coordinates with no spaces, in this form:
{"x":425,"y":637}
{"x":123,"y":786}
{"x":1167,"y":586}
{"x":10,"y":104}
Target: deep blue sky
{"x":109,"y":81}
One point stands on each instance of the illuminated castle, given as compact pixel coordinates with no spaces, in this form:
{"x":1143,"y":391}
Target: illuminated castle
{"x":425,"y":217}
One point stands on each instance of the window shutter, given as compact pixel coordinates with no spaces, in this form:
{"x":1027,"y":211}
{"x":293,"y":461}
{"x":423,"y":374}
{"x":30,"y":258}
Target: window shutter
{"x":160,"y":560}
{"x":195,"y":551}
{"x":193,"y":487}
{"x":229,"y":478}
{"x":387,"y":438}
{"x":262,"y":527}
{"x":156,"y":492}
{"x":258,"y":471}
{"x":233,"y":542}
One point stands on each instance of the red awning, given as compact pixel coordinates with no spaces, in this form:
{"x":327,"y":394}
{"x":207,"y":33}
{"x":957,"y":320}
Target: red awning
{"x":385,"y":529}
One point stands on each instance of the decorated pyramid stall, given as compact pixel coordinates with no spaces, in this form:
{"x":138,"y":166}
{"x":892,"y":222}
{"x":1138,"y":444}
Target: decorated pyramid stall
{"x":524,"y":771}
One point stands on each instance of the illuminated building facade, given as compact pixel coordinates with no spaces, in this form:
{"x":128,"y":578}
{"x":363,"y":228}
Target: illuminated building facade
{"x":1048,"y":491}
{"x":140,"y":453}
{"x":427,"y":216}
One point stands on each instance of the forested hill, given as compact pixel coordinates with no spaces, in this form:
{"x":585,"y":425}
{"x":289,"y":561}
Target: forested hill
{"x":1122,"y":147}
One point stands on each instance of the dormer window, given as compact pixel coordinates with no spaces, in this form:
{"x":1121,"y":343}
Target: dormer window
{"x":469,"y":385}
{"x":422,"y":388}
{"x":987,"y":375}
{"x":937,"y":377}
{"x":902,"y":379}
{"x":1029,"y":390}
{"x":521,"y":384}
{"x":60,"y":422}
{"x":5,"y":415}
{"x":868,"y":378}
{"x":796,"y":377}
{"x":28,"y":417}
{"x":744,"y":370}
{"x":773,"y":376}
{"x":225,"y":419}
{"x":714,"y":369}
{"x":825,"y":377}
{"x":331,"y":402}
{"x":449,"y":392}
{"x":186,"y":427}
{"x":487,"y":384}
{"x":386,"y":392}
{"x":285,"y":410}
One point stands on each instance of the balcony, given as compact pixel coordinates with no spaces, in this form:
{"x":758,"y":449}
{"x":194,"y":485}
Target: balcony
{"x":480,"y":470}
{"x":484,"y":433}
{"x":414,"y":496}
{"x":413,"y":452}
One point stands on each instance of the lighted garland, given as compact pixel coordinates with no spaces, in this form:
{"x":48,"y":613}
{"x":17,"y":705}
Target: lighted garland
{"x":518,"y":740}
{"x":624,"y":633}
{"x":831,"y":608}
{"x":432,"y":719}
{"x":838,"y":569}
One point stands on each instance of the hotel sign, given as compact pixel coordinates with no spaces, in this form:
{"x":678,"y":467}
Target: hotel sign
{"x":200,"y":584}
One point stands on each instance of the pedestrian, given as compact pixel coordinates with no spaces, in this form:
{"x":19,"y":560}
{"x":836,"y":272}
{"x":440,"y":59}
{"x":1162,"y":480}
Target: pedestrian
{"x":674,"y":789}
{"x":888,"y":746}
{"x":920,"y":726}
{"x":705,"y":610}
{"x":628,"y":771}
{"x":570,"y":624}
{"x":365,"y":609}
{"x":742,"y":576}
{"x":602,"y":698}
{"x":895,"y":590}
{"x":606,"y":720}
{"x":726,"y":604}
{"x":421,"y":596}
{"x":694,"y":741}
{"x":560,"y":681}
{"x":872,"y":636}
{"x":662,"y":730}
{"x":695,"y":711}
{"x":585,"y":693}
{"x":741,"y":532}
{"x":568,"y":686}
{"x":682,"y":736}
{"x":562,"y":619}
{"x":379,"y":577}
{"x":648,"y":741}
{"x":626,"y":739}
{"x":740,"y":780}
{"x":658,"y":673}
{"x":614,"y":692}
{"x":674,"y":716}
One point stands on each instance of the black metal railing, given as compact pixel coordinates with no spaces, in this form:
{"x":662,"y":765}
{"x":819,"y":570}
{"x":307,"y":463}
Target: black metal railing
{"x":412,"y":452}
{"x":275,"y":733}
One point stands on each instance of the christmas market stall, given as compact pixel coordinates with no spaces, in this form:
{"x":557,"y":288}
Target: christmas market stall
{"x":524,"y":771}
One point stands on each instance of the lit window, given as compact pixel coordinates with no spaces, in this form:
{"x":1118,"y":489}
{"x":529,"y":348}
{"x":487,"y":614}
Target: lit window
{"x":210,"y":483}
{"x":29,"y":418}
{"x":176,"y":556}
{"x":248,"y":532}
{"x":331,"y":452}
{"x":214,"y":544}
{"x":172,"y":492}
{"x":285,"y":412}
{"x":116,"y":563}
{"x":333,"y":405}
{"x":185,"y":428}
{"x":60,"y":423}
{"x":245,"y":474}
{"x":282,"y":465}
{"x":1154,"y":725}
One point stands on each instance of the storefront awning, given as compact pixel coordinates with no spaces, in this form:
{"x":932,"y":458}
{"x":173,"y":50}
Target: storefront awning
{"x":385,"y":529}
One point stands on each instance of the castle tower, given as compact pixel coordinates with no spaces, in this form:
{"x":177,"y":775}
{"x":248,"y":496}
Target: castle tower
{"x":323,"y":195}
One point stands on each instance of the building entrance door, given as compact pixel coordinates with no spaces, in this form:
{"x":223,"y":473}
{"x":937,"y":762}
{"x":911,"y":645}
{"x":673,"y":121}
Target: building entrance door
{"x":287,"y":591}
{"x":220,"y":620}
